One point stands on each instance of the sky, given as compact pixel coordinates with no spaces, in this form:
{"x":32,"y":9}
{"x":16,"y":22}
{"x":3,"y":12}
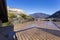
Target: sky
{"x":35,"y":6}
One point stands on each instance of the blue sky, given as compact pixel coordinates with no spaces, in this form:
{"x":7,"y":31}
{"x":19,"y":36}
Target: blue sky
{"x":35,"y":6}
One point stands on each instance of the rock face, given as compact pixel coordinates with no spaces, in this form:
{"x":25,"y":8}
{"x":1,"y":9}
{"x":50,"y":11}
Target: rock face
{"x":55,"y":15}
{"x":39,"y":15}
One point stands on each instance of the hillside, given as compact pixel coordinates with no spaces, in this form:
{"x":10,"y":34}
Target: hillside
{"x":55,"y":15}
{"x":17,"y":15}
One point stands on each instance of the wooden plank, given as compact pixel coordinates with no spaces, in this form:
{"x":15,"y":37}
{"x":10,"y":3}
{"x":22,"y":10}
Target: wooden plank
{"x":36,"y":34}
{"x":42,"y":31}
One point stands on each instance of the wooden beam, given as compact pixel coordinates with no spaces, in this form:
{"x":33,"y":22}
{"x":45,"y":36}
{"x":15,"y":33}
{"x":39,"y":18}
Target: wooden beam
{"x":3,"y":11}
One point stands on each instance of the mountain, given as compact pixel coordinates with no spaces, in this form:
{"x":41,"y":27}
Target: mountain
{"x":55,"y":15}
{"x":39,"y":15}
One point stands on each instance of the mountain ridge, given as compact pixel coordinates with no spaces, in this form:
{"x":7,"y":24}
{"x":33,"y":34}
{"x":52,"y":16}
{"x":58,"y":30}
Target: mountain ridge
{"x":55,"y":15}
{"x":39,"y":15}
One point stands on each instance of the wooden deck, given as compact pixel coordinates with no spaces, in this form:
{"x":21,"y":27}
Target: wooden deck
{"x":37,"y":34}
{"x":38,"y":31}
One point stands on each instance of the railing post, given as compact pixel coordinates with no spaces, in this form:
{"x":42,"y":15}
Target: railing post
{"x":3,"y":11}
{"x":0,"y":23}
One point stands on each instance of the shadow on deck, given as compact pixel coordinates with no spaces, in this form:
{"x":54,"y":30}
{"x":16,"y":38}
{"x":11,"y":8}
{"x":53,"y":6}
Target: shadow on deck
{"x":54,"y":32}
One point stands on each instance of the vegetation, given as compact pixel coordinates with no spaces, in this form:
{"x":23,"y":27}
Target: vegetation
{"x":19,"y":18}
{"x":12,"y":15}
{"x":24,"y":16}
{"x":5,"y":24}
